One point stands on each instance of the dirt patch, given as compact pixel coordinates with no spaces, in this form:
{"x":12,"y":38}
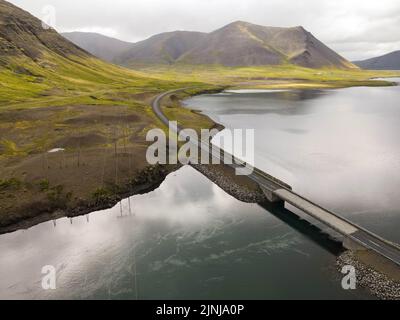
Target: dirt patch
{"x":86,"y":140}
{"x":53,"y":92}
{"x":102,"y":119}
{"x":79,"y":114}
{"x":145,"y":97}
{"x":37,"y":130}
{"x":25,"y":114}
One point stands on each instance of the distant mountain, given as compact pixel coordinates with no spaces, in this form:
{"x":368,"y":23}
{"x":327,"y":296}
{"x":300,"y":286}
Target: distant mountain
{"x":242,"y":43}
{"x":164,"y":48}
{"x":23,"y":35}
{"x":390,"y":61}
{"x":101,"y":46}
{"x":237,"y":44}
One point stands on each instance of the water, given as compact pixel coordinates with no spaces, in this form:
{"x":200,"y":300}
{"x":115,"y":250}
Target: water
{"x":190,"y":240}
{"x":340,"y":147}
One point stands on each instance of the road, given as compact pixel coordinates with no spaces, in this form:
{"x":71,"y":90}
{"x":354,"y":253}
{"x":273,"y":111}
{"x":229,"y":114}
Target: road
{"x":281,"y":190}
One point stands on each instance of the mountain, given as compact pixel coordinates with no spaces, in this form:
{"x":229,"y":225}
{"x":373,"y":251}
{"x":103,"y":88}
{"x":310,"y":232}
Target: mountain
{"x":21,"y":34}
{"x":237,"y":44}
{"x":37,"y":62}
{"x":390,"y":61}
{"x":242,"y":43}
{"x":101,"y":46}
{"x":164,"y":48}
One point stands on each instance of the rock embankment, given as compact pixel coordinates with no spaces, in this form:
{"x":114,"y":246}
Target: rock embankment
{"x":376,"y":282}
{"x":235,"y":186}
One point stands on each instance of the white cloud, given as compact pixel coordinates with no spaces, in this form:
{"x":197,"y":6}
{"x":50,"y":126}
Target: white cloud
{"x":355,"y":28}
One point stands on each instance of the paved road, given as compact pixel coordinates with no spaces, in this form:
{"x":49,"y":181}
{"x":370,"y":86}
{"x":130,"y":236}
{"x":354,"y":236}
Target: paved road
{"x":381,"y":246}
{"x":340,"y":224}
{"x":157,"y":106}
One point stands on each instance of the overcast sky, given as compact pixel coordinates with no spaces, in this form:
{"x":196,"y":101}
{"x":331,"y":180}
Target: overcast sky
{"x":357,"y":29}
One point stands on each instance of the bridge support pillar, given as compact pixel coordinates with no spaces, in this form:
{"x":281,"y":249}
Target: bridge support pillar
{"x":352,"y":245}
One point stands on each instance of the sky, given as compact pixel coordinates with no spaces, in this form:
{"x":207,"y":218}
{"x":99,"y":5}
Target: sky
{"x":357,"y":29}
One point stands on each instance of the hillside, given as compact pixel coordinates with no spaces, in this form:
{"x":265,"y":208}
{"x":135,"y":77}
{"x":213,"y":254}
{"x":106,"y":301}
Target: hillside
{"x":242,"y":43}
{"x":164,"y":48}
{"x":37,"y":62}
{"x":390,"y":61}
{"x":237,"y":44}
{"x":21,"y":34}
{"x":101,"y":46}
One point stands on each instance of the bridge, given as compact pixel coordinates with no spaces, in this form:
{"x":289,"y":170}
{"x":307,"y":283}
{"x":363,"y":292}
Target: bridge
{"x":355,"y":237}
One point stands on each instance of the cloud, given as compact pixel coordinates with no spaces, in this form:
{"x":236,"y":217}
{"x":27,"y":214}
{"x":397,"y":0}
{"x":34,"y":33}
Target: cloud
{"x":355,"y":28}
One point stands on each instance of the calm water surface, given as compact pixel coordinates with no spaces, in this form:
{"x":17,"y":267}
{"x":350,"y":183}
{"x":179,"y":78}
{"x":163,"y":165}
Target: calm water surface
{"x":190,"y":240}
{"x":340,"y":148}
{"x":186,"y":240}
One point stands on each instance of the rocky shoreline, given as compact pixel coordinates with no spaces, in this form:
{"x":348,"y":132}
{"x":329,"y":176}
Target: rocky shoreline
{"x":233,"y":188}
{"x":378,"y":284}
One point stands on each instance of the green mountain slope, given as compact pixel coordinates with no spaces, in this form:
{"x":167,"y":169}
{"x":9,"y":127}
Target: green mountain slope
{"x":36,"y":62}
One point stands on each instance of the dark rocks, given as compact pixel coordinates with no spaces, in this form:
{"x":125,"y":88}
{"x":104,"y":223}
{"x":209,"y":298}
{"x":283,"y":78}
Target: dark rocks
{"x":236,"y":190}
{"x":376,"y":282}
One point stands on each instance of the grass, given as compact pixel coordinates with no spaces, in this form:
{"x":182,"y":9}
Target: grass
{"x":11,"y":183}
{"x":186,"y":118}
{"x":102,"y":195}
{"x":60,"y":81}
{"x":285,"y":76}
{"x":10,"y":148}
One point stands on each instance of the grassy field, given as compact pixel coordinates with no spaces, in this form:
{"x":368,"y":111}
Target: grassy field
{"x":269,"y":77}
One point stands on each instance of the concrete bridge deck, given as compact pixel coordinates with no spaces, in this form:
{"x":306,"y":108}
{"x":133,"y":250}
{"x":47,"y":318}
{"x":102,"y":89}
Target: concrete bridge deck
{"x":355,"y":237}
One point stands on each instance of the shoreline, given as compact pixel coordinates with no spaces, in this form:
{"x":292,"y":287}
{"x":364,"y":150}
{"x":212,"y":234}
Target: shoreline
{"x":148,"y":179}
